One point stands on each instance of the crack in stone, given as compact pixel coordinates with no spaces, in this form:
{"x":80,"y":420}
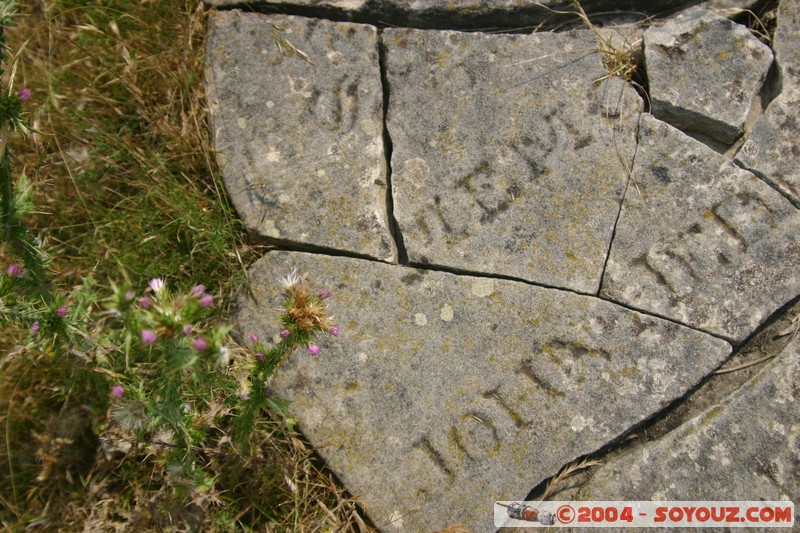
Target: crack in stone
{"x":394,"y":227}
{"x":628,"y":181}
{"x":498,"y":21}
{"x":292,"y":246}
{"x":760,"y":175}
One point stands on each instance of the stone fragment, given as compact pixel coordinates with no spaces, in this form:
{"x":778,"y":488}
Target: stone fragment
{"x":701,"y":241}
{"x":444,"y":392}
{"x":747,"y":447}
{"x":460,"y":14}
{"x":297,"y":120}
{"x":704,"y":73}
{"x":510,"y":152}
{"x":787,"y":41}
{"x":772,"y":150}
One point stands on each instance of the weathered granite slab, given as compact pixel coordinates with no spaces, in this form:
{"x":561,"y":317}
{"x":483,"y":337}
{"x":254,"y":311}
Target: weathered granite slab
{"x":445,"y":392}
{"x":704,"y":73}
{"x":458,"y":14}
{"x":509,"y":156}
{"x":772,"y":150}
{"x":299,"y":138}
{"x":745,"y":448}
{"x":700,"y":240}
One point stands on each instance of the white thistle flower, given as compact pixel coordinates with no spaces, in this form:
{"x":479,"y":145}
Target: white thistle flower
{"x":158,"y":285}
{"x":292,"y":280}
{"x":224,"y":357}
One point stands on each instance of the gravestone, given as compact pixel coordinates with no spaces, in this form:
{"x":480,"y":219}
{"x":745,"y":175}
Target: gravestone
{"x":446,"y":392}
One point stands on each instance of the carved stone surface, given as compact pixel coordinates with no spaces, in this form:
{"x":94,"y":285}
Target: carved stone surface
{"x":444,"y":392}
{"x":599,"y":260}
{"x":704,"y":73}
{"x":296,"y":110}
{"x":747,"y":447}
{"x":700,"y":240}
{"x":509,"y":156}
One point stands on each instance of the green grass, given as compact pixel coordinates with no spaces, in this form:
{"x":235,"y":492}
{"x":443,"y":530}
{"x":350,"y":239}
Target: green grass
{"x":126,"y":187}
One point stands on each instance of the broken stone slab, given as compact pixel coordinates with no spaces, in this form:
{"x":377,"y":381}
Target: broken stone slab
{"x":704,"y":73}
{"x":772,"y":150}
{"x":510,"y":152}
{"x":443,"y":392}
{"x":296,"y":109}
{"x":459,"y":14}
{"x":745,"y":448}
{"x":700,"y":240}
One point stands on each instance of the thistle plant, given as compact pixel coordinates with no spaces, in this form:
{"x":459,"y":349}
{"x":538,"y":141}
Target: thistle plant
{"x":118,"y":400}
{"x":163,"y":363}
{"x":305,"y":315}
{"x":150,"y":363}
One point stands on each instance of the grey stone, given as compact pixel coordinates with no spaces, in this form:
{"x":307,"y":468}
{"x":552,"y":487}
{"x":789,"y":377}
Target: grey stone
{"x":459,"y":14}
{"x":300,"y":142}
{"x":704,"y":73}
{"x":510,"y":152}
{"x":747,"y":447}
{"x":445,"y":392}
{"x":772,"y":150}
{"x":700,"y":240}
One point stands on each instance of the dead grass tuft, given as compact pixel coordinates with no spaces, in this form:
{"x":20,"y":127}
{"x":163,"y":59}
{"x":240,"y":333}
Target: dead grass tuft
{"x":556,"y":483}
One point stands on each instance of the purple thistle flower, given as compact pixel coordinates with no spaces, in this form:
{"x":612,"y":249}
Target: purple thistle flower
{"x":206,"y":300}
{"x":200,"y":344}
{"x":284,"y":333}
{"x":158,"y":285}
{"x":326,"y":293}
{"x":145,"y":302}
{"x":187,"y":329}
{"x":35,"y":327}
{"x":117,"y":391}
{"x":61,"y":311}
{"x":259,"y":356}
{"x":24,"y":94}
{"x":335,"y":331}
{"x":148,"y":336}
{"x":313,"y":349}
{"x":270,"y":392}
{"x":14,"y":271}
{"x":197,"y":291}
{"x":253,"y":337}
